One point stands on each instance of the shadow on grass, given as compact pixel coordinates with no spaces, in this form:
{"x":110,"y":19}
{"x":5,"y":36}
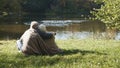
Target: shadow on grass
{"x":83,"y":52}
{"x":1,"y":43}
{"x":20,"y":61}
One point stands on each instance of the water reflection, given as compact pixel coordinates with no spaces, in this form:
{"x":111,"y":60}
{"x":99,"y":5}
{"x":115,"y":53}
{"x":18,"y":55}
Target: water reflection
{"x":117,"y":37}
{"x":70,"y":35}
{"x":83,"y":35}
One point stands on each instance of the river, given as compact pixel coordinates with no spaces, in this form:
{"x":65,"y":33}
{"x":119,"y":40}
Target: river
{"x":65,"y":29}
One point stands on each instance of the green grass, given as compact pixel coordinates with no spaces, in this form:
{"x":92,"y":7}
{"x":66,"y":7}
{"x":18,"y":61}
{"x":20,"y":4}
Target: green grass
{"x":77,"y":54}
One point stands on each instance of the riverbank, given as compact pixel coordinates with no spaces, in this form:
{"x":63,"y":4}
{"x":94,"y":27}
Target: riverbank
{"x":77,"y":54}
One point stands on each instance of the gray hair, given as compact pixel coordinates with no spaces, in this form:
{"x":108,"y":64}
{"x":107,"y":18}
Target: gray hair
{"x":42,"y":27}
{"x":34,"y":24}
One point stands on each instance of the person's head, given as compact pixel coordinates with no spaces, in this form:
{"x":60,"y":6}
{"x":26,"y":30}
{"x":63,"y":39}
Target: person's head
{"x":34,"y":24}
{"x":42,"y":27}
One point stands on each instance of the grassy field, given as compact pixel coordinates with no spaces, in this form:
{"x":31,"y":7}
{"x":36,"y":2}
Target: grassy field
{"x":77,"y":54}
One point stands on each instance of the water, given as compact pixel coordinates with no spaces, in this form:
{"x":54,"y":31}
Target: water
{"x":69,"y":35}
{"x":65,"y":29}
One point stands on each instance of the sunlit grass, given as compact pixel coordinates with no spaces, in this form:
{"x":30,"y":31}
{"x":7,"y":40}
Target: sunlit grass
{"x":77,"y":54}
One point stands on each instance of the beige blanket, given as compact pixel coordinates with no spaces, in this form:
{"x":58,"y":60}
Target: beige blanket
{"x":33,"y":44}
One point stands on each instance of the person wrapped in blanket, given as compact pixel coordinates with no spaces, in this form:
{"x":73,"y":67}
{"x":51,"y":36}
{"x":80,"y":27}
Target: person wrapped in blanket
{"x":36,"y":41}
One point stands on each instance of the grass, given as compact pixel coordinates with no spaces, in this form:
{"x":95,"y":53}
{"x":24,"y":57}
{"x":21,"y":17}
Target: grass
{"x":77,"y":54}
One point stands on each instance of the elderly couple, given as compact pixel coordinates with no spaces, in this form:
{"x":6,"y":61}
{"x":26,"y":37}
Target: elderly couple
{"x":36,"y":41}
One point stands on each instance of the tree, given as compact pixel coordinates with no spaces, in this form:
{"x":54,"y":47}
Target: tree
{"x":9,"y":6}
{"x":72,"y":9}
{"x":109,"y":13}
{"x":10,"y":10}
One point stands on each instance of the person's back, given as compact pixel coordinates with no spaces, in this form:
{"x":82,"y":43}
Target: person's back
{"x":50,"y":42}
{"x":33,"y":43}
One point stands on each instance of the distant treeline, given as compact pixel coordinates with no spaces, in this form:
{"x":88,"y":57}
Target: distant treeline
{"x":27,"y":10}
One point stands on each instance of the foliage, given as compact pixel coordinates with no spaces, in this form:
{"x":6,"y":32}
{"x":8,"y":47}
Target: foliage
{"x":34,"y":9}
{"x":39,"y":5}
{"x":9,"y":6}
{"x":72,"y":8}
{"x":10,"y":10}
{"x":77,"y":54}
{"x":109,"y":13}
